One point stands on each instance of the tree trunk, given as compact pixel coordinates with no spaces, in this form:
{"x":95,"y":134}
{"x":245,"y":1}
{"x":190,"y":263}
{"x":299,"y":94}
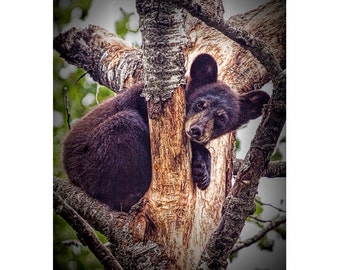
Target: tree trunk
{"x":175,"y":220}
{"x":182,"y":216}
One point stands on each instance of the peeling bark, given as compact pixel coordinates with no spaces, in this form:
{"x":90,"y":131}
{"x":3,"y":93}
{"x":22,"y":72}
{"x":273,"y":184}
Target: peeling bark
{"x":101,"y":54}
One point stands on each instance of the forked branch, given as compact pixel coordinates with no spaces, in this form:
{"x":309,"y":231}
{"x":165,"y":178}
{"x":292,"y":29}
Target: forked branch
{"x":256,"y":46}
{"x":85,"y":233}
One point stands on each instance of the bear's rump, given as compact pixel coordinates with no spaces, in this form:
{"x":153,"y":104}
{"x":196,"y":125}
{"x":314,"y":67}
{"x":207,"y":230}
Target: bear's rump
{"x":113,"y":162}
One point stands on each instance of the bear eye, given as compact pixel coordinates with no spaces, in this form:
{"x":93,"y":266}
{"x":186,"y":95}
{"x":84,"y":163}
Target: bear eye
{"x":200,"y":106}
{"x":221,"y":113}
{"x":221,"y":118}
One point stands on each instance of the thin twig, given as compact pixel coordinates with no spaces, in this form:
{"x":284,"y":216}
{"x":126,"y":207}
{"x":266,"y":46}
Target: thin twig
{"x":67,"y":108}
{"x":268,"y":204}
{"x":259,"y":220}
{"x":81,"y":76}
{"x":246,"y":243}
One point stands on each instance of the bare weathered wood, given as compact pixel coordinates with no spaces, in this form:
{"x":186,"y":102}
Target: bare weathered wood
{"x":208,"y":203}
{"x":170,"y":197}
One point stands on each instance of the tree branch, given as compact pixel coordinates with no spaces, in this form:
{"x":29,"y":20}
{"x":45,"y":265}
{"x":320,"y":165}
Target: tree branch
{"x":246,"y":243}
{"x":270,"y":205}
{"x":95,"y":213}
{"x":104,"y":56}
{"x":129,"y":249}
{"x":85,"y":233}
{"x":274,"y":168}
{"x":256,"y":46}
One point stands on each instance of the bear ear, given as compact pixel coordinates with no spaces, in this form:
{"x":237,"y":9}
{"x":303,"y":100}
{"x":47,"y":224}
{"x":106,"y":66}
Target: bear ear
{"x":203,"y":70}
{"x":251,"y":105}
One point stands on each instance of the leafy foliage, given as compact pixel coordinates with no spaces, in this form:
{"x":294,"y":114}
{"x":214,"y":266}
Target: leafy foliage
{"x":259,"y":209}
{"x":71,"y":99}
{"x":62,"y":10}
{"x":266,"y":243}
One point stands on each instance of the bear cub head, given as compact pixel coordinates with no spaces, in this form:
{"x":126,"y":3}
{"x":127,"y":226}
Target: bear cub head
{"x":213,"y":109}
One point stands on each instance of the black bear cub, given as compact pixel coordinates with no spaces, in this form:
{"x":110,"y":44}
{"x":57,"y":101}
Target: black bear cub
{"x":107,"y":152}
{"x":213,"y":109}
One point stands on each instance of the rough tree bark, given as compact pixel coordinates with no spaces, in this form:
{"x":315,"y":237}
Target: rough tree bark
{"x":170,"y":195}
{"x":170,"y":227}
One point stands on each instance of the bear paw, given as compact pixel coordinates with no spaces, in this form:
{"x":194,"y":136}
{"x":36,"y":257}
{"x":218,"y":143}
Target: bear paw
{"x":201,"y":174}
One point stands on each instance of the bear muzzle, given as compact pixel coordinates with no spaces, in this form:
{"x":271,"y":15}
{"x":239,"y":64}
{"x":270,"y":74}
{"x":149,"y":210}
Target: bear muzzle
{"x":199,"y":129}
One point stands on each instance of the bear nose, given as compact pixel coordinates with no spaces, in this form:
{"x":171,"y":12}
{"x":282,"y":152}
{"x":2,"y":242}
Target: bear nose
{"x":195,"y":132}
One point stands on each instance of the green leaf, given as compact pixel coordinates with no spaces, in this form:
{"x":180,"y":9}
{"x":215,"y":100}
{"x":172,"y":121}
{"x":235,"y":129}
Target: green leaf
{"x":277,"y":155}
{"x":101,"y":237}
{"x":237,"y":144}
{"x":259,"y":208}
{"x":233,"y":256}
{"x":283,"y":140}
{"x":281,"y":230}
{"x":104,"y":93}
{"x":265,"y":244}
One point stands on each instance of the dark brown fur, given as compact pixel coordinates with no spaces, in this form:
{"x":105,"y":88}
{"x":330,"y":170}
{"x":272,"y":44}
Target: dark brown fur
{"x":107,"y":152}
